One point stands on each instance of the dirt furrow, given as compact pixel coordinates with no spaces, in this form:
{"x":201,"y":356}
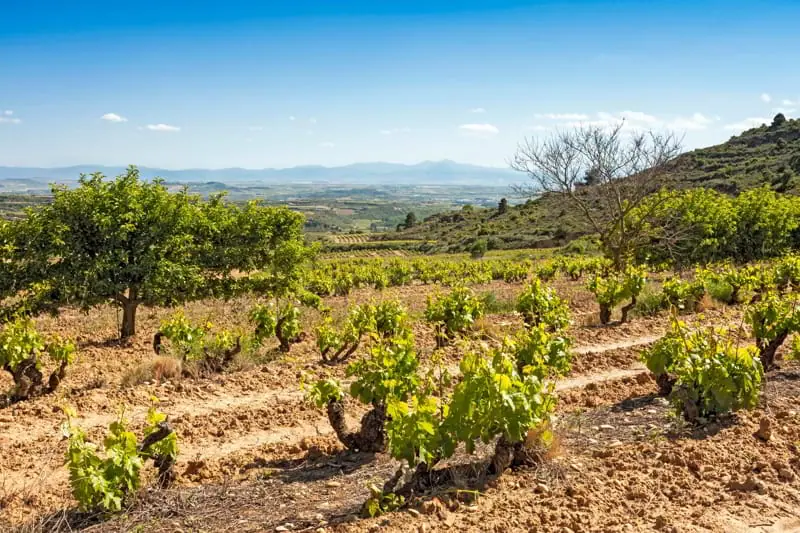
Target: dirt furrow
{"x":39,"y":429}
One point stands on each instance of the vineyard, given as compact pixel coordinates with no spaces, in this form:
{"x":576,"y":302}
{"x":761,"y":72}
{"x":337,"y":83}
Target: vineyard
{"x":266,"y":423}
{"x":201,"y":367}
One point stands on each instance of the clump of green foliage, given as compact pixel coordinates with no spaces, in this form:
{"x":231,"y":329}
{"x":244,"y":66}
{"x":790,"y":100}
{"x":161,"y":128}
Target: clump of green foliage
{"x":453,"y":313}
{"x":541,"y":305}
{"x":705,"y":372}
{"x":613,"y":288}
{"x":104,"y":477}
{"x":772,"y":318}
{"x":374,"y":321}
{"x":683,"y":295}
{"x":196,"y":344}
{"x":22,"y":350}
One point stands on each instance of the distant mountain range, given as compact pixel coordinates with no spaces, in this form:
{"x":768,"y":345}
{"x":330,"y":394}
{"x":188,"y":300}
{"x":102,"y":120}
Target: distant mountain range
{"x":445,"y":173}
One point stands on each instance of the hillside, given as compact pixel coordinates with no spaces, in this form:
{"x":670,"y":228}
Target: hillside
{"x":769,"y":154}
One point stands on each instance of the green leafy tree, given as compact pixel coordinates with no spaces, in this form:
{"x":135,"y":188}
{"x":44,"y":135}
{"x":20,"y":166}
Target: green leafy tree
{"x":134,"y":242}
{"x":411,"y":220}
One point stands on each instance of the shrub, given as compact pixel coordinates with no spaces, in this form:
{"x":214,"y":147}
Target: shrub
{"x":540,"y":352}
{"x":772,"y":319}
{"x":390,"y":371}
{"x":540,"y":305}
{"x":705,"y":371}
{"x":196,"y":344}
{"x":103,"y":477}
{"x":453,"y":313}
{"x":683,"y":295}
{"x":611,"y":290}
{"x":287,"y":327}
{"x":386,"y":319}
{"x":478,"y":249}
{"x":21,"y":352}
{"x":650,"y":302}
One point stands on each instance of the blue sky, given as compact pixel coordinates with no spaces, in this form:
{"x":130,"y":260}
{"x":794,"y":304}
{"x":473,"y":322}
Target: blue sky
{"x":257,"y":84}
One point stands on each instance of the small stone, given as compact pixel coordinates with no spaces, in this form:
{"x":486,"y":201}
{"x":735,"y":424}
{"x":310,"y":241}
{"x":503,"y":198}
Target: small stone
{"x":422,"y":528}
{"x":663,"y":402}
{"x":606,"y":427}
{"x":750,"y":484}
{"x":764,"y":429}
{"x":333,"y":484}
{"x":541,"y":488}
{"x":414,"y":513}
{"x":661,"y":522}
{"x":615,"y":444}
{"x":786,"y":475}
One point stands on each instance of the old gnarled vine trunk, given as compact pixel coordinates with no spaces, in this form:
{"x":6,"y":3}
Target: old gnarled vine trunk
{"x":371,"y":436}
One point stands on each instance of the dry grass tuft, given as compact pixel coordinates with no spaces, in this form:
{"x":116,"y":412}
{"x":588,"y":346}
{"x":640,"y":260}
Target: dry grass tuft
{"x":161,"y":368}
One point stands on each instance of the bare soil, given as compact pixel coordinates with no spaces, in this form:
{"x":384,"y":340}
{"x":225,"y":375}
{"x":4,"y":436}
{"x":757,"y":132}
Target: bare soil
{"x":256,"y":457}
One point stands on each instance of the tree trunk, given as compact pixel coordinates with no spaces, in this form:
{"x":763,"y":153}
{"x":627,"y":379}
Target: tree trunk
{"x":371,"y":436}
{"x":626,"y":309}
{"x":27,"y":380}
{"x":503,"y":456}
{"x":767,"y":350}
{"x":605,"y":314}
{"x":665,"y":384}
{"x":129,"y":305}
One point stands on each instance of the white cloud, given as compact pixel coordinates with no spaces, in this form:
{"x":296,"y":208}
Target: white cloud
{"x":562,"y":116}
{"x":697,"y":121}
{"x":479,"y":129}
{"x":395,"y":131}
{"x":638,"y":120}
{"x":765,"y":97}
{"x":537,"y":127}
{"x":629,"y":119}
{"x":748,"y":123}
{"x":477,"y":110}
{"x":8,"y":118}
{"x":327,"y":144}
{"x":637,"y":117}
{"x":292,"y":118}
{"x":113,"y":117}
{"x":162,"y":127}
{"x":790,"y":103}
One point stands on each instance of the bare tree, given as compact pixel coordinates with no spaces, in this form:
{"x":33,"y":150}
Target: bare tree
{"x":623,"y":169}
